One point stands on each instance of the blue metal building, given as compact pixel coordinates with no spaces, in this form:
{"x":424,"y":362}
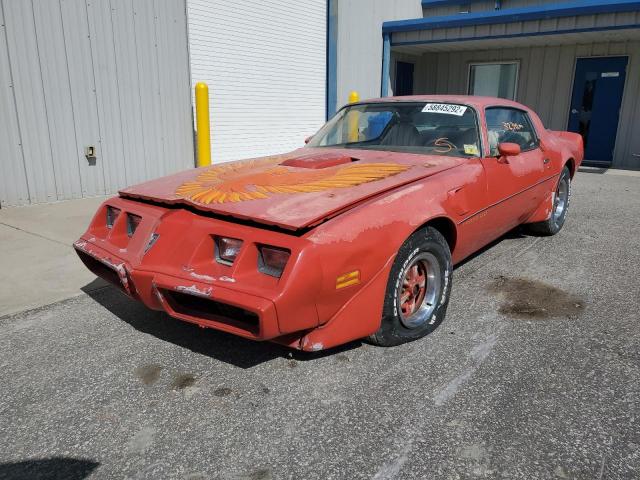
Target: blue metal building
{"x":577,"y":63}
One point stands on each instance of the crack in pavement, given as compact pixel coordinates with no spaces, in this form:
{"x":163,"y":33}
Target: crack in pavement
{"x":35,"y":234}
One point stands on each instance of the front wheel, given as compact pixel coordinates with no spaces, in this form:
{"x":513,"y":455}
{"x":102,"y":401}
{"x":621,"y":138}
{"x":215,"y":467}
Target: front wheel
{"x":418,"y":289}
{"x":561,"y":199}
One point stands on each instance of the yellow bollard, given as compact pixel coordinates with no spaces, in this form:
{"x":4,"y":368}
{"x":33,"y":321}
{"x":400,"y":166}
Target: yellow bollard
{"x":354,"y":118}
{"x":202,"y":124}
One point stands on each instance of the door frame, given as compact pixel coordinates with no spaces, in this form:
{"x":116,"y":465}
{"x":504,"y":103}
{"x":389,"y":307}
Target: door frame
{"x":395,"y":73}
{"x":596,"y":163}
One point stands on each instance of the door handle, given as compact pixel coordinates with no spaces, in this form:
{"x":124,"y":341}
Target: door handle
{"x":574,"y":111}
{"x":637,"y":155}
{"x":545,"y":161}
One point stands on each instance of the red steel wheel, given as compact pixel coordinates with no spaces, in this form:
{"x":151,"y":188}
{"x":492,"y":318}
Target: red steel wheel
{"x":419,"y":290}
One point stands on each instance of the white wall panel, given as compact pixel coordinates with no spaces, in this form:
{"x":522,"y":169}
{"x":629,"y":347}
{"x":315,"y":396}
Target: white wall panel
{"x":265,"y":64}
{"x":360,"y":42}
{"x":111,"y":73}
{"x":13,"y":180}
{"x":29,"y":94}
{"x":79,"y":57}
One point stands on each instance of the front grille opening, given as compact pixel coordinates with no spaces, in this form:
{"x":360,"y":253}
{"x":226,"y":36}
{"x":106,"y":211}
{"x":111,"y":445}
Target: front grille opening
{"x":206,"y":309}
{"x":101,"y":270}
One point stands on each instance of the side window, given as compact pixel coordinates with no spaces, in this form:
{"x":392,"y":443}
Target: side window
{"x":509,"y":125}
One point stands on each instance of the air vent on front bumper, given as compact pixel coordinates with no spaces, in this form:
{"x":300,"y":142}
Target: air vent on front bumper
{"x":101,"y":270}
{"x":217,"y":312}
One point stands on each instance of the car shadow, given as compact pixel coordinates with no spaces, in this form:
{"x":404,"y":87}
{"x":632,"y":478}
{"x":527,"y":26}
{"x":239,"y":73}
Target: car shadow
{"x":55,"y":468}
{"x":228,"y":348}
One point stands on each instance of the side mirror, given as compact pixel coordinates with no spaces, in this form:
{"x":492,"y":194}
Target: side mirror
{"x":308,"y":139}
{"x":509,"y":149}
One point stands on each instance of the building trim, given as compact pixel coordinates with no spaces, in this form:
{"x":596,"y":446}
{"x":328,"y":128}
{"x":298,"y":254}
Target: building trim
{"x":444,"y":3}
{"x":386,"y":64}
{"x":517,"y":35}
{"x":331,"y":94}
{"x":512,"y":15}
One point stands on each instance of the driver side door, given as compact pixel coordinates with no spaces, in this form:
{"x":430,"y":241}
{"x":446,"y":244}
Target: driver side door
{"x":513,"y":183}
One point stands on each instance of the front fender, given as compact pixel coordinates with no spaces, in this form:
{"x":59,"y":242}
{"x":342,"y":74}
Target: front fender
{"x":363,"y":242}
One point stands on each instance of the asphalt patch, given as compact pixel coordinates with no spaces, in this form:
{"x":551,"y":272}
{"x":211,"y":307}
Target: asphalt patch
{"x":222,"y":392}
{"x":148,"y":374}
{"x":524,"y":298}
{"x":183,"y":381}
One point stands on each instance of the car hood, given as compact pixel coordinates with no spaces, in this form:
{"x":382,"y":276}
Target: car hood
{"x":295,"y":190}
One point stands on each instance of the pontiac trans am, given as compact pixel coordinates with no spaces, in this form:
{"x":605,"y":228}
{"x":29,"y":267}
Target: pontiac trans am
{"x":353,"y":236}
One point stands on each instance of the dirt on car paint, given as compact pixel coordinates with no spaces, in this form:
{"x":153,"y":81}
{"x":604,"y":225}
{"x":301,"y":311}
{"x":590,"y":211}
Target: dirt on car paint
{"x":148,"y":374}
{"x":524,"y":298}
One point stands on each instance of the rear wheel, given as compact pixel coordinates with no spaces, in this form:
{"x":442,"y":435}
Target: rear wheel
{"x":418,"y":289}
{"x":561,"y":199}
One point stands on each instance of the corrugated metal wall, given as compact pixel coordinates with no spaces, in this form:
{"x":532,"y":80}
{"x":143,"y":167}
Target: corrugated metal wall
{"x":545,"y":83}
{"x":265,"y":63}
{"x":532,"y":27}
{"x":109,"y":73}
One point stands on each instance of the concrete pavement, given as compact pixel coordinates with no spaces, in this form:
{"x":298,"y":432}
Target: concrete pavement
{"x":37,"y":261}
{"x":534,"y":374}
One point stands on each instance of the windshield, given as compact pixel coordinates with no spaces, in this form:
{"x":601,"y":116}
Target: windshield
{"x":416,"y":127}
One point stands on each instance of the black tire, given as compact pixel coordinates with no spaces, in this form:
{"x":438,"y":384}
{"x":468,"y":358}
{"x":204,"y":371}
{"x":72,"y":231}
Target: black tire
{"x":561,"y":201}
{"x":426,"y":253}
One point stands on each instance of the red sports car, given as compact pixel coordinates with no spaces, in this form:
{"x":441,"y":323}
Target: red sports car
{"x":353,"y":236}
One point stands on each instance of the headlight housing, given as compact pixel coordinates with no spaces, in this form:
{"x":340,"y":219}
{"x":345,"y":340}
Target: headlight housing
{"x":227,"y":249}
{"x":112,"y":215}
{"x":132,"y":224}
{"x":272,"y":260}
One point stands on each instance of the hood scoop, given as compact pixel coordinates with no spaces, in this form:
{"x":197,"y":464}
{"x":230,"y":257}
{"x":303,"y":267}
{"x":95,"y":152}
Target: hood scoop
{"x":318,"y":160}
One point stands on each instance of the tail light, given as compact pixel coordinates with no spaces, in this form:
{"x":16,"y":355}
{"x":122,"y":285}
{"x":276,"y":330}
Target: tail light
{"x":132,"y":224}
{"x":272,"y":260}
{"x":227,"y":249}
{"x":112,"y":215}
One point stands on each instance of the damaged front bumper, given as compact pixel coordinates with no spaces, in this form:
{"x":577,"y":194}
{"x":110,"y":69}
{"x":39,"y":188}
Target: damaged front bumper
{"x":168,"y":263}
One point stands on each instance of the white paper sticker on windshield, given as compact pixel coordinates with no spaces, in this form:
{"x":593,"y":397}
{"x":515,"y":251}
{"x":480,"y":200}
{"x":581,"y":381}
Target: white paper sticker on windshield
{"x":446,"y":108}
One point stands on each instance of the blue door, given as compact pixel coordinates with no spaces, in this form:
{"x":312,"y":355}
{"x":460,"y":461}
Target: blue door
{"x":595,"y":104}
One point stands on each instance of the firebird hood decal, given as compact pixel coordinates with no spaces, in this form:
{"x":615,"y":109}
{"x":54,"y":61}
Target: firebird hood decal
{"x":292,"y":197}
{"x":250,"y":181}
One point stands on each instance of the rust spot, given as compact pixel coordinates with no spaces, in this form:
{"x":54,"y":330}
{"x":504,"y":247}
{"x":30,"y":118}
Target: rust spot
{"x":532,"y":299}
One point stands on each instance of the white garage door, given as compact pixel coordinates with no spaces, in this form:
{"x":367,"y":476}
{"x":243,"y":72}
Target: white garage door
{"x":264,"y":62}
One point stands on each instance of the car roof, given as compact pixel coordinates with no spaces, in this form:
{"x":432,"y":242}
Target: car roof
{"x":470,"y":100}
